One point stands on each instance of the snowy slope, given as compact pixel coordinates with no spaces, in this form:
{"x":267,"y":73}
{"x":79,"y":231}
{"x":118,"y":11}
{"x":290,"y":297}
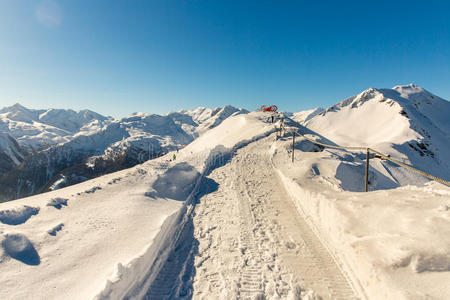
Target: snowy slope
{"x":306,"y":115}
{"x":406,"y":122}
{"x":222,"y":221}
{"x":102,"y":237}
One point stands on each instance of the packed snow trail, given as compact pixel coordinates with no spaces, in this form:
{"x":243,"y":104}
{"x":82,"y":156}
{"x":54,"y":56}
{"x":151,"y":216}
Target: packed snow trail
{"x":249,"y":242}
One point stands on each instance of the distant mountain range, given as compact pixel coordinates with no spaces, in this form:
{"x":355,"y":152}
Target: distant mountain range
{"x":42,"y":150}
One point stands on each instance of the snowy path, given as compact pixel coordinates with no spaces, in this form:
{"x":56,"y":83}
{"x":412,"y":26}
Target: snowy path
{"x":249,"y":242}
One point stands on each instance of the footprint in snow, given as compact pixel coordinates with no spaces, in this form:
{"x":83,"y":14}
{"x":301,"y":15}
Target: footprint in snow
{"x":19,"y":247}
{"x":57,"y":202}
{"x":115,"y":180}
{"x":290,"y":245}
{"x":18,"y":215}
{"x":55,"y":229}
{"x":93,"y":190}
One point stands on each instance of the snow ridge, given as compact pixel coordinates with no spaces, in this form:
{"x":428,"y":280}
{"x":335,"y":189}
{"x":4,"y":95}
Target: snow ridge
{"x":406,"y":122}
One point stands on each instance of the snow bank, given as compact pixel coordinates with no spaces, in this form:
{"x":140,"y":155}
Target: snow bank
{"x":132,"y":278}
{"x":176,"y":183}
{"x":84,"y":242}
{"x":112,"y":233}
{"x":181,"y":182}
{"x":397,"y":241}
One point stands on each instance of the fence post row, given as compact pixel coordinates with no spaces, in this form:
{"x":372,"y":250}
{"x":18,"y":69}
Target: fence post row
{"x":381,"y":155}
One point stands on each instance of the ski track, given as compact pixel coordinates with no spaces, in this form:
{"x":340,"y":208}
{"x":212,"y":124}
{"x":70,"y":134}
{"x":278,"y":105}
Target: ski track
{"x":249,"y":242}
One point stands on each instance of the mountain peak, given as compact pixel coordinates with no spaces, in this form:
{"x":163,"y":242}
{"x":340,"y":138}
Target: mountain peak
{"x":18,"y":105}
{"x":14,"y":108}
{"x":410,"y":86}
{"x":19,"y":112}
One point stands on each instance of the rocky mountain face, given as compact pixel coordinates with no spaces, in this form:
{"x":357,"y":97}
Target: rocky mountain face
{"x":11,"y":154}
{"x":48,"y":149}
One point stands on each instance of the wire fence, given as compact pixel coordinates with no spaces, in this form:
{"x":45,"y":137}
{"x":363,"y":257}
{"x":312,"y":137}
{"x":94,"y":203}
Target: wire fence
{"x":379,"y":155}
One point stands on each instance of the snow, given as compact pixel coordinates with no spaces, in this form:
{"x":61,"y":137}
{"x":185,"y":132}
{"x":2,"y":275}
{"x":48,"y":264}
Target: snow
{"x":57,"y":184}
{"x":202,"y":119}
{"x":396,"y":242}
{"x":57,"y":202}
{"x":176,"y":183}
{"x":113,"y":229}
{"x":70,"y":120}
{"x":38,"y":129}
{"x":57,"y":144}
{"x":17,"y":215}
{"x":233,"y":217}
{"x":306,"y":115}
{"x":112,"y":225}
{"x":385,"y":121}
{"x":19,"y":247}
{"x":406,"y":122}
{"x":55,"y":229}
{"x":251,"y":243}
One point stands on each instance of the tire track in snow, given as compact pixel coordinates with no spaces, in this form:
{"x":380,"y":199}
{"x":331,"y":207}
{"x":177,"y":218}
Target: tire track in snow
{"x":169,"y":282}
{"x":247,"y":241}
{"x":216,"y":229}
{"x":255,"y":197}
{"x":300,"y":251}
{"x":250,"y":283}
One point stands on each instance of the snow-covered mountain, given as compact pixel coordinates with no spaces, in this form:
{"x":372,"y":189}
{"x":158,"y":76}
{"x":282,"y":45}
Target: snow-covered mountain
{"x":233,"y":217}
{"x":207,"y":118}
{"x":306,"y":115}
{"x":37,"y":129}
{"x":68,"y":147}
{"x":406,"y":122}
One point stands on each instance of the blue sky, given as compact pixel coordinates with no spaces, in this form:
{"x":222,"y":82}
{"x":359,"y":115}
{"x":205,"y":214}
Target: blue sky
{"x":118,"y":57}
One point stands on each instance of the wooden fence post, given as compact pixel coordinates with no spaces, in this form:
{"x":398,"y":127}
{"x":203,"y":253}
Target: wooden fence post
{"x":366,"y":186}
{"x":293,"y":144}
